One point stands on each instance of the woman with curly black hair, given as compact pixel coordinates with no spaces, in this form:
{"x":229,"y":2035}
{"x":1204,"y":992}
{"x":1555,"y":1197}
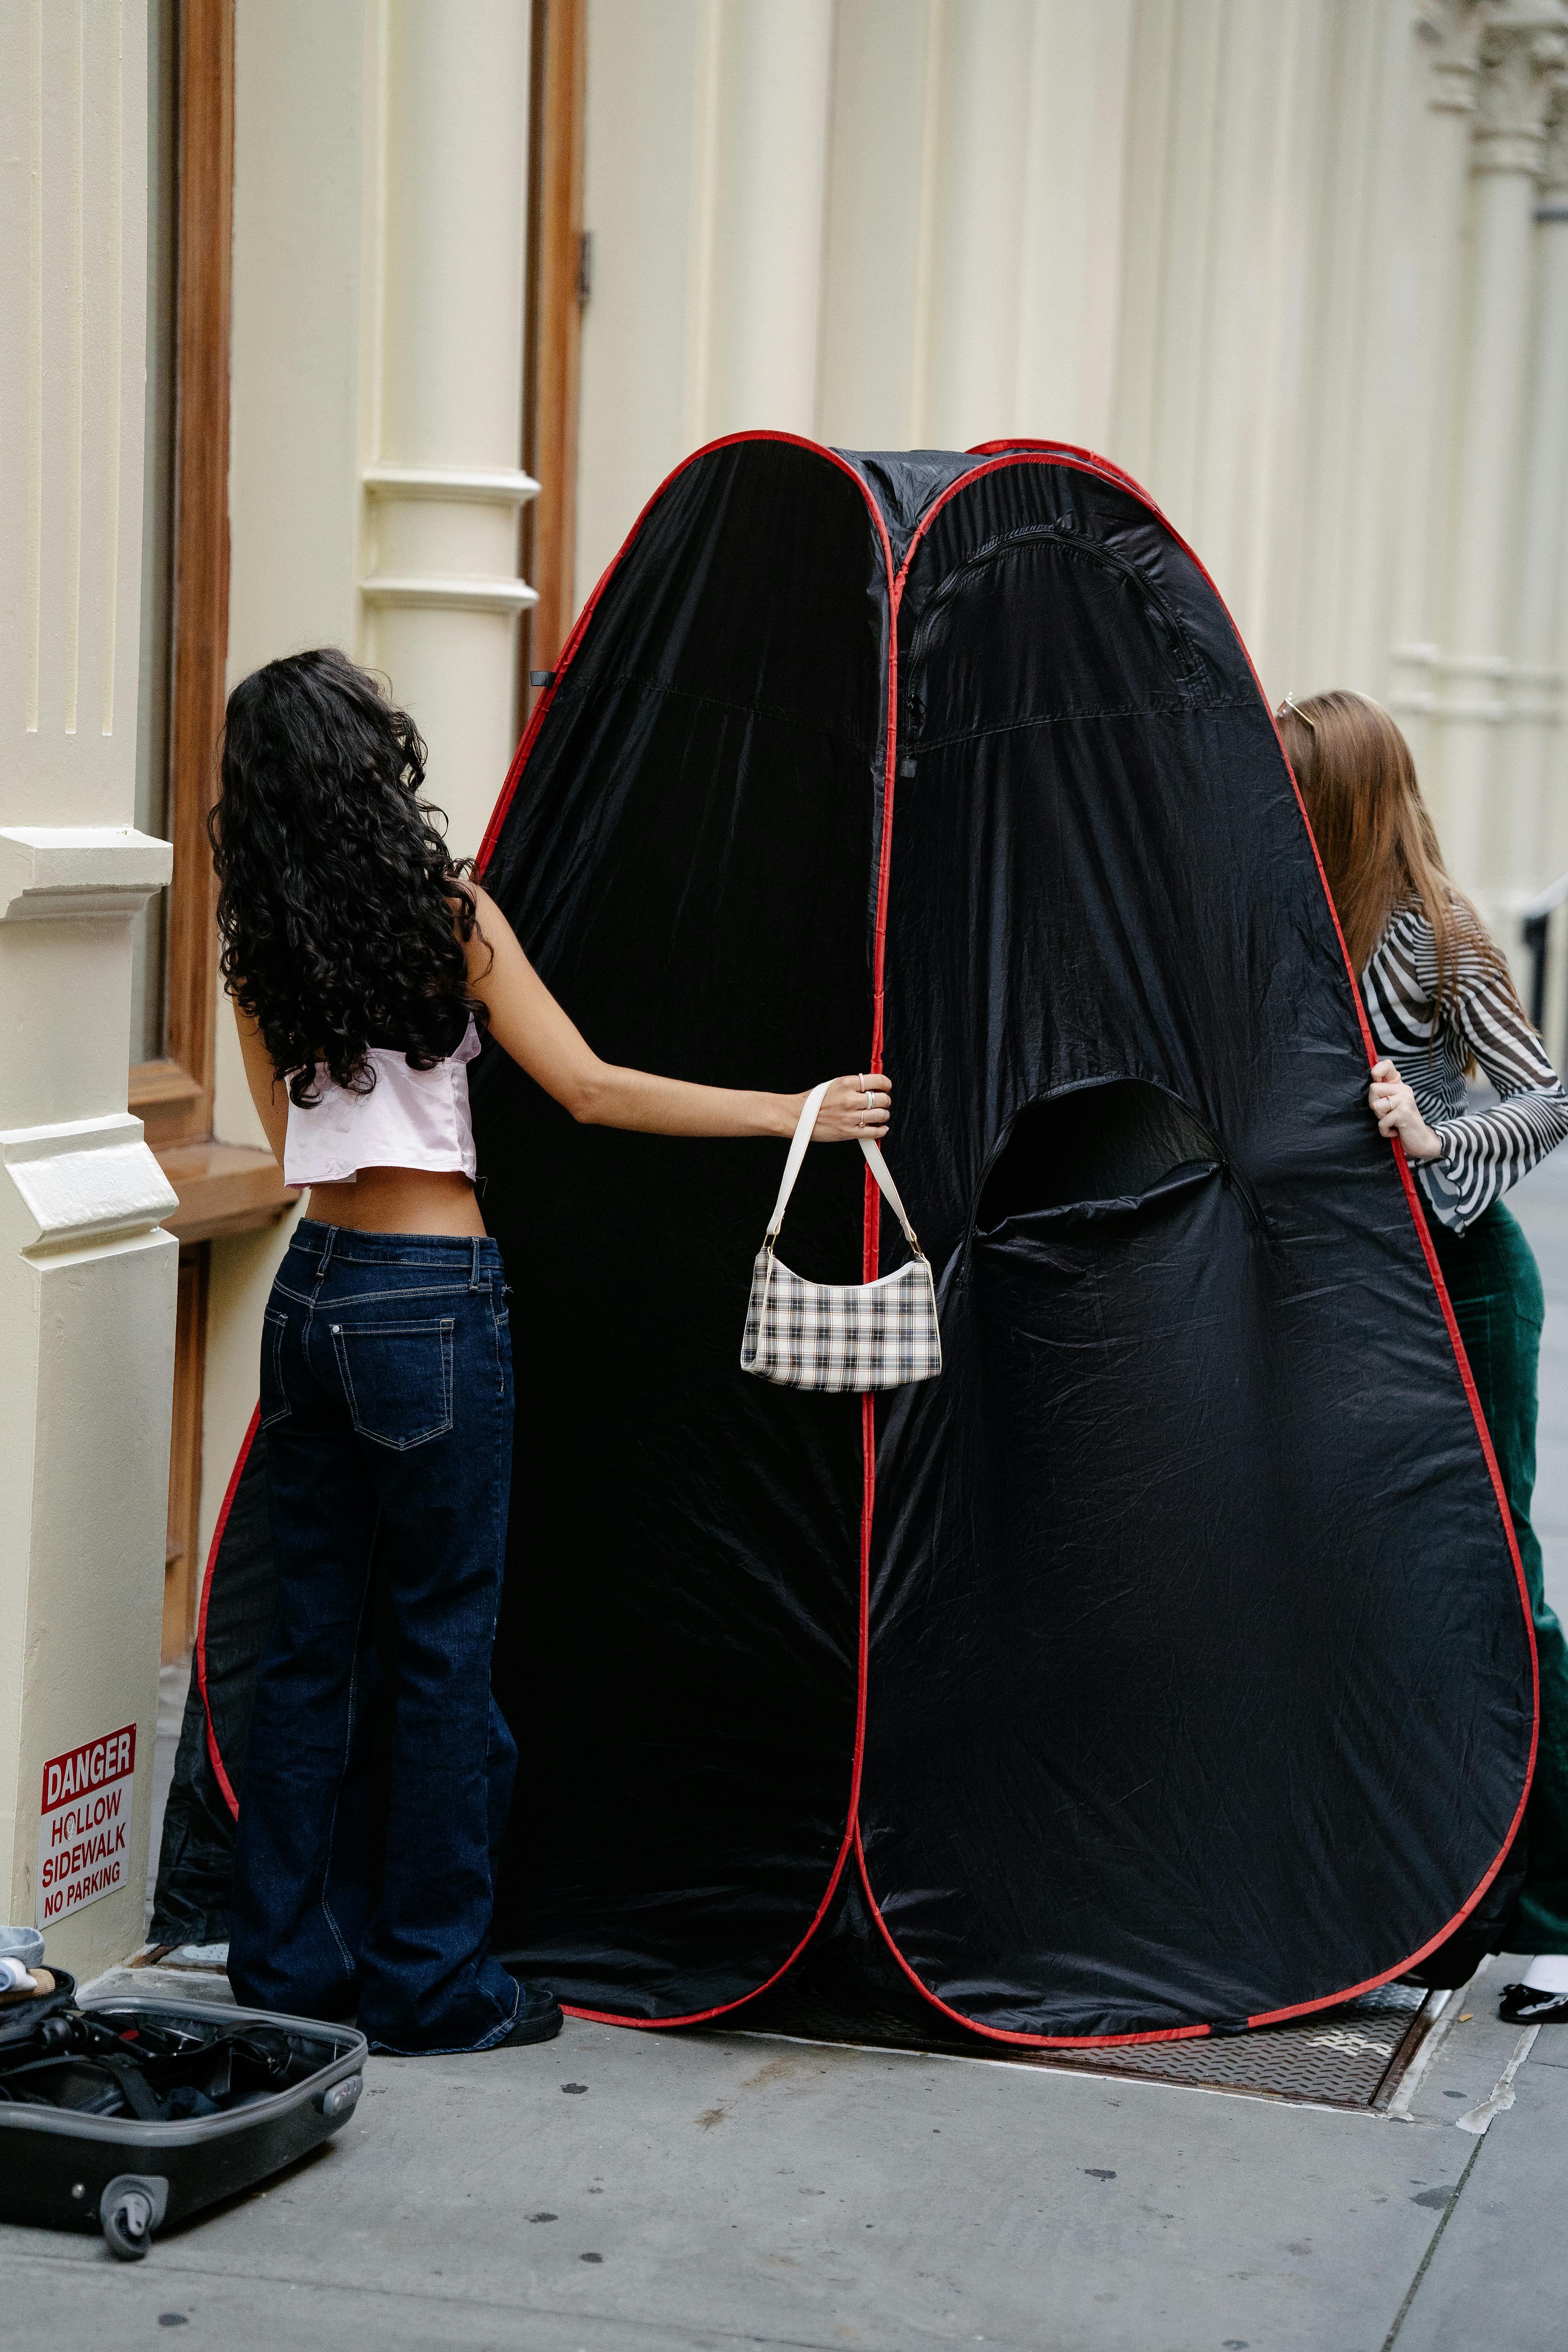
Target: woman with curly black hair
{"x":362,"y":961}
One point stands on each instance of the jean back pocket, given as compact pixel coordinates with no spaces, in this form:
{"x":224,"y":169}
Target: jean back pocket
{"x":398,"y":1378}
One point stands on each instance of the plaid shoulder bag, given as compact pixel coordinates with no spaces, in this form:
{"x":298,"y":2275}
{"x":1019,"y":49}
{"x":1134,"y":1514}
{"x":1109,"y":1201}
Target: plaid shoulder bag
{"x":818,"y":1335}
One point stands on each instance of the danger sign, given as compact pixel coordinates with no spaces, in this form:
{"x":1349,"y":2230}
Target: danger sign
{"x":84,"y":1825}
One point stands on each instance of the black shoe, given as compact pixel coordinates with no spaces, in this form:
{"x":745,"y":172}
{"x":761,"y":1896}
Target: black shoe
{"x":539,"y":2018}
{"x":1523,"y":2004}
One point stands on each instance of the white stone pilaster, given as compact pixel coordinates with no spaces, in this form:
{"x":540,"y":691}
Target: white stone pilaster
{"x":1524,"y":50}
{"x":968,"y":359}
{"x":86,"y":1278}
{"x":1452,"y":31}
{"x":1538,"y":780}
{"x":881,"y":164}
{"x":705,"y":171}
{"x":758,"y":216}
{"x":447,"y":194}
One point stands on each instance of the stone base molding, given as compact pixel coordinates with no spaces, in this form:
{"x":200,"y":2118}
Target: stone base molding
{"x":86,"y":1180}
{"x":58,"y":872}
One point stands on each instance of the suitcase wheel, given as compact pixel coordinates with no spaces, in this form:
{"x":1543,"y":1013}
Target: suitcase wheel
{"x":130,"y":2209}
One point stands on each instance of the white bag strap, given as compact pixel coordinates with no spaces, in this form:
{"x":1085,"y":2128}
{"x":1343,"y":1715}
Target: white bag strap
{"x":874,"y":1160}
{"x":888,"y":1190}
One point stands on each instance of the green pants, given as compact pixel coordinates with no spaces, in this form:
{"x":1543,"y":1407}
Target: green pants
{"x":1495,"y":1285}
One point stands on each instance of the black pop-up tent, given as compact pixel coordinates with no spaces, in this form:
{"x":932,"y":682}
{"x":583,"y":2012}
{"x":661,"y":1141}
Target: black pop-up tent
{"x":1162,"y":1667}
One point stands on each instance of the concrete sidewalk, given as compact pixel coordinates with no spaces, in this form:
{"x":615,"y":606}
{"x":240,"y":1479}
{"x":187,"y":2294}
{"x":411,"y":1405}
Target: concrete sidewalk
{"x":639,"y":2192}
{"x":618,"y":2189}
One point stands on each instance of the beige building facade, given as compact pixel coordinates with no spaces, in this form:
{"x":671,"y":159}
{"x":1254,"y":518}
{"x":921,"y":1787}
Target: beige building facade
{"x":1297,"y":266}
{"x":437,"y":291}
{"x":87,"y":1274}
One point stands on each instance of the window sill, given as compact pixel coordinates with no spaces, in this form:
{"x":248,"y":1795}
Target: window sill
{"x":169,"y":1102}
{"x":223,"y":1187}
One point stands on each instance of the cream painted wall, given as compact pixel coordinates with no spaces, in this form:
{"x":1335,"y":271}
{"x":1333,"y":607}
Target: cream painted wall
{"x":709,"y":126}
{"x":294,"y":429}
{"x":642,"y":405}
{"x":293,"y":499}
{"x":759,"y":228}
{"x":376,"y":427}
{"x":1223,"y":242}
{"x":878,"y":231}
{"x":446,"y":225}
{"x":87,"y":1275}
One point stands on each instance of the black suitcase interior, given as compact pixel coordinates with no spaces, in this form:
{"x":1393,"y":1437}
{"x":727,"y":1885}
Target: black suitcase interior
{"x":128,"y":2115}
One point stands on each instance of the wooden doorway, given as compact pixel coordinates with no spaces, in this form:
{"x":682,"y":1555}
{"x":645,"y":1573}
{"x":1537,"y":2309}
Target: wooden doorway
{"x":559,"y":285}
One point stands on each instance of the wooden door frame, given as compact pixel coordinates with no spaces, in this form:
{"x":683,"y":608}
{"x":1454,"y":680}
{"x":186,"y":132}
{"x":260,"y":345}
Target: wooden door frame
{"x":182,"y":1561}
{"x":223,"y":1187}
{"x":557,"y":291}
{"x":174,"y":1095}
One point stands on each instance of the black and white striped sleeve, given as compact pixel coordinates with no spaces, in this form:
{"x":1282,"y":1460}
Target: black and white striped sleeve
{"x":1399,"y":985}
{"x":1486,"y":1151}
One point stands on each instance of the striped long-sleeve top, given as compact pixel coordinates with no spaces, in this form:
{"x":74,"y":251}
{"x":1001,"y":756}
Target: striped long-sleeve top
{"x":1483,"y":1151}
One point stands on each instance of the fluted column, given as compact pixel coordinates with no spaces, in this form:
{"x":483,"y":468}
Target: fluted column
{"x":704,"y":189}
{"x":759,"y":187}
{"x":1524,"y":50}
{"x":443,"y":485}
{"x":87,"y":1277}
{"x":1453,"y":28}
{"x":1540,"y":772}
{"x":969,"y":363}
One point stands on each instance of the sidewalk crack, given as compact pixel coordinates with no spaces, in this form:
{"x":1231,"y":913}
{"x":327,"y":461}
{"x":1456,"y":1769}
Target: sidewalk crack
{"x":1402,"y":2314}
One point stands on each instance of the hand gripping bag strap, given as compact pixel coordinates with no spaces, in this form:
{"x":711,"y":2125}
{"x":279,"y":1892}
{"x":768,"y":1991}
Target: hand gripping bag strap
{"x":874,"y":1160}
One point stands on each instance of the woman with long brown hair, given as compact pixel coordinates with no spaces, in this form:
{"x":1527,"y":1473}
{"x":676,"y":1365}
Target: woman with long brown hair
{"x":1439,"y":997}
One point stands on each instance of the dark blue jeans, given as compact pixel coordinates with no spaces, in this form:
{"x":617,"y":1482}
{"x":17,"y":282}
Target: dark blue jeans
{"x":387,"y":1397}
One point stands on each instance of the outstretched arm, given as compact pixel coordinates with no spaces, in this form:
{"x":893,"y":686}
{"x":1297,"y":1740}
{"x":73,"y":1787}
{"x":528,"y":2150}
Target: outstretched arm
{"x":526,"y":1020}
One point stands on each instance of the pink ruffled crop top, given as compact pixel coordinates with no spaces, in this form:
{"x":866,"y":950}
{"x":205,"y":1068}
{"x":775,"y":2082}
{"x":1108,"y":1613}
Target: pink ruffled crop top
{"x":410,"y":1118}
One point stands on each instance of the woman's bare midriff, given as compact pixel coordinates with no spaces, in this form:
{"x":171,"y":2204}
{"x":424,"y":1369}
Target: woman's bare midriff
{"x":400,"y":1200}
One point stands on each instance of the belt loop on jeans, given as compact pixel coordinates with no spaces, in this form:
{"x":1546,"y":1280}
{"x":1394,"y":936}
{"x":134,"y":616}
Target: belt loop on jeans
{"x":474,"y":1269}
{"x":327,"y":1252}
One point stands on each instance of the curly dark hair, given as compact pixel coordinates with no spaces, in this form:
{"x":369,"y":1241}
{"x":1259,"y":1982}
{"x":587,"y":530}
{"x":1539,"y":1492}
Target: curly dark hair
{"x":344,"y":918}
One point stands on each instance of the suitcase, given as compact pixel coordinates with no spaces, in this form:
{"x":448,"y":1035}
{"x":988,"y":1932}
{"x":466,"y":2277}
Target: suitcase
{"x":128,"y":2114}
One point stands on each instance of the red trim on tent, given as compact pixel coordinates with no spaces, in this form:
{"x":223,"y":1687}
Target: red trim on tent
{"x":225,"y":1783}
{"x":998,"y":456}
{"x":1084,"y":461}
{"x":1000,"y":2033}
{"x":1088,"y":460}
{"x":702,"y":2016}
{"x":563,"y":660}
{"x":873,"y":1198}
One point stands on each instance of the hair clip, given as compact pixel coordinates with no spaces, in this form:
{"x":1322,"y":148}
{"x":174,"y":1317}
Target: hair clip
{"x":1291,"y":705}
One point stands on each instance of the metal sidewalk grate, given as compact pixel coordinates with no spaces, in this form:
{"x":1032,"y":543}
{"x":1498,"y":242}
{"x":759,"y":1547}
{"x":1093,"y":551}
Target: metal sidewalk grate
{"x":1349,"y":2057}
{"x":1340,"y":2058}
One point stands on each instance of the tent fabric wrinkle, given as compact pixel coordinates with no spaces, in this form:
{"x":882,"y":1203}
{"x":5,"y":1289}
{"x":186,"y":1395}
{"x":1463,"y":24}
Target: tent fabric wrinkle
{"x":1164,"y":1667}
